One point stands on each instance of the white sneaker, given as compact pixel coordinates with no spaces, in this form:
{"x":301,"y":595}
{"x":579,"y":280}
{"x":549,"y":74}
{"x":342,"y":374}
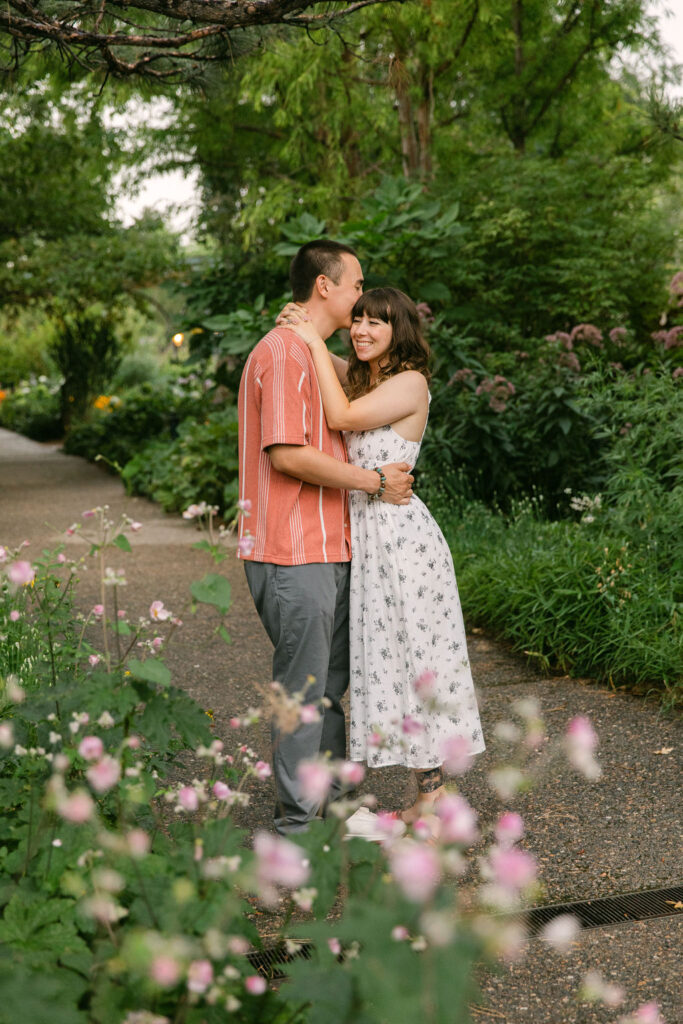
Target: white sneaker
{"x":363,"y":824}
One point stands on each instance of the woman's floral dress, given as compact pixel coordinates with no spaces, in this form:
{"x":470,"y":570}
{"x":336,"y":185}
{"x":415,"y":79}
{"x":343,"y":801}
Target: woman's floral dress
{"x":405,"y":619}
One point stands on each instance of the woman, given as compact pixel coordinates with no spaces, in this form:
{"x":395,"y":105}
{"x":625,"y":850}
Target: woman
{"x":405,"y":621}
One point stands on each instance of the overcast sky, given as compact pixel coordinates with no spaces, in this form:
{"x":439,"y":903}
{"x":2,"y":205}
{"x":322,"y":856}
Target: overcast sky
{"x":174,"y":188}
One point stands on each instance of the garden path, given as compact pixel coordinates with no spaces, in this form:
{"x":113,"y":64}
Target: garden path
{"x":616,"y":834}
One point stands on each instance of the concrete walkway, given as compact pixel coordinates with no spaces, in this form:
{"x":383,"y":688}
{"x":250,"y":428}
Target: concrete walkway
{"x":616,"y":835}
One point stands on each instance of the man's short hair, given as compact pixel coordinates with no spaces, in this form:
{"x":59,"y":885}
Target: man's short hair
{"x":314,"y":258}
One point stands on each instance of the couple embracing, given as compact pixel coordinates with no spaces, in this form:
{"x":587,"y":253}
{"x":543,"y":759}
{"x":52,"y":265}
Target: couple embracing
{"x":350,"y":574}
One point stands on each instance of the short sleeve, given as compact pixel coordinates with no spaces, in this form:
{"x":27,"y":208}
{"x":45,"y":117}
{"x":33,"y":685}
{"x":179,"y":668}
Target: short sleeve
{"x":285,"y":382}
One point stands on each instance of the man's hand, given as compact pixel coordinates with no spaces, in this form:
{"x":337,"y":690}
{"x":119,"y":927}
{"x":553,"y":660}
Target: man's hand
{"x":398,"y":490}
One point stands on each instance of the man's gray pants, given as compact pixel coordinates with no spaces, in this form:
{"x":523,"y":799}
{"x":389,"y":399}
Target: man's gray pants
{"x":305,"y":611}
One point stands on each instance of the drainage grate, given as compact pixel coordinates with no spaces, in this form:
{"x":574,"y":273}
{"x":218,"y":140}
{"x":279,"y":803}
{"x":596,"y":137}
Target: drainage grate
{"x":631,"y":906}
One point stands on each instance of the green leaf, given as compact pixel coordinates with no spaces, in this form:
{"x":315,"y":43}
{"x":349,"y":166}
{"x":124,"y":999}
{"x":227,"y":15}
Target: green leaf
{"x":152,"y":671}
{"x":122,"y":542}
{"x":223,"y":633}
{"x":212,"y":589}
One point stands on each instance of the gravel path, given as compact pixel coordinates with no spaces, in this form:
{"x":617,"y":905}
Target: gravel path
{"x":618,"y":834}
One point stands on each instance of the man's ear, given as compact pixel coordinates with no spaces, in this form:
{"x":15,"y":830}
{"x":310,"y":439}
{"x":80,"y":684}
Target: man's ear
{"x":322,"y":285}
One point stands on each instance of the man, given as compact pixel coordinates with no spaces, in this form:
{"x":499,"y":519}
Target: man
{"x":294,"y":471}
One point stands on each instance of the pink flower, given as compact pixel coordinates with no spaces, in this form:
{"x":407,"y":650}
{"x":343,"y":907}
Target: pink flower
{"x":415,"y":868}
{"x":245,"y":546}
{"x":400,"y":933}
{"x":157,"y":642}
{"x":138,"y":842}
{"x":570,"y":360}
{"x":581,"y":741}
{"x":244,"y":505}
{"x":334,"y":946}
{"x":158,"y":612}
{"x":263,"y":770}
{"x":6,"y":735}
{"x":14,"y":615}
{"x":509,"y":828}
{"x":188,"y":799}
{"x":351,"y":773}
{"x":458,"y":820}
{"x":88,"y":514}
{"x":678,"y":372}
{"x":199,"y":975}
{"x":91,"y":748}
{"x":648,"y":1013}
{"x":220,"y":790}
{"x":21,"y":573}
{"x":164,"y":970}
{"x":98,"y":610}
{"x":561,"y":932}
{"x":315,"y":778}
{"x":513,"y":869}
{"x":588,"y":333}
{"x":192,"y":511}
{"x":104,"y":774}
{"x":135,"y":526}
{"x":456,"y":753}
{"x":617,"y":335}
{"x":424,"y":684}
{"x":94,"y":659}
{"x":255,"y":985}
{"x":3,"y":554}
{"x":120,"y":614}
{"x":279,"y":861}
{"x":133,"y":742}
{"x":61,"y":558}
{"x":235,"y":723}
{"x":77,"y":807}
{"x":410,"y":726}
{"x":309,"y":713}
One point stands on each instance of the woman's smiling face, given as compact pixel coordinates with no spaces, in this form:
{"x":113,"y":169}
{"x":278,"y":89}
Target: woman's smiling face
{"x":371,"y":339}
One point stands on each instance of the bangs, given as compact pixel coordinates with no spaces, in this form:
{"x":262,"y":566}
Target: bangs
{"x":374,"y":304}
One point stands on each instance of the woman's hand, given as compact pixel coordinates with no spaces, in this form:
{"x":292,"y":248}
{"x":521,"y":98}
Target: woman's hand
{"x":293,"y":313}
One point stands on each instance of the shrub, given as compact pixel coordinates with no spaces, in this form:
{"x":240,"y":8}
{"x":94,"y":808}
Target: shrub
{"x":149,"y":411}
{"x":201,"y":460}
{"x":33,"y":409}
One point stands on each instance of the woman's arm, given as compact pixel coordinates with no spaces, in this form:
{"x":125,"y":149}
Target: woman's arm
{"x":296,"y":312}
{"x":393,"y":400}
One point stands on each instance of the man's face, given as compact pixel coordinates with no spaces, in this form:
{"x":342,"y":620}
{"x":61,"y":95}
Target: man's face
{"x":342,"y":297}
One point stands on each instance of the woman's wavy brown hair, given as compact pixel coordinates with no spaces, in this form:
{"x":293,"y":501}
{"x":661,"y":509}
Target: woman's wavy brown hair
{"x":408,"y":349}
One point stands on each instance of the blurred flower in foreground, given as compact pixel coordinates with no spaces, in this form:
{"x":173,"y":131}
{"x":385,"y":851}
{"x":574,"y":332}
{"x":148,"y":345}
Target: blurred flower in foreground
{"x":581,"y":740}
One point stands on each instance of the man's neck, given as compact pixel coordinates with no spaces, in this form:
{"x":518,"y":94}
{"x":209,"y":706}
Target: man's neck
{"x":323,"y":323}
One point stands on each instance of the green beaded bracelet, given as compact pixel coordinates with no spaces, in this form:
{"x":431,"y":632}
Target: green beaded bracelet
{"x":382,"y":484}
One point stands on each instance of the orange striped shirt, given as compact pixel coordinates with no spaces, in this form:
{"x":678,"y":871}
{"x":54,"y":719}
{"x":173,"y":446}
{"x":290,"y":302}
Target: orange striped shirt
{"x":291,"y":522}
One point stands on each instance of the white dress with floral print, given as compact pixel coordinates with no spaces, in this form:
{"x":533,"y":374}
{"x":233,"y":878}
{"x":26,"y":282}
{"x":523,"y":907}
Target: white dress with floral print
{"x":405,"y":619}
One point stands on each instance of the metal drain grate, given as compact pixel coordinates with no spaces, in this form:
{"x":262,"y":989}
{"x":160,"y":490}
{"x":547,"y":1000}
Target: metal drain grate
{"x":632,"y":906}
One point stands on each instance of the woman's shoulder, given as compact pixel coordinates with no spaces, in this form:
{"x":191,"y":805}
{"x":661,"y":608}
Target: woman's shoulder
{"x":412,"y":379}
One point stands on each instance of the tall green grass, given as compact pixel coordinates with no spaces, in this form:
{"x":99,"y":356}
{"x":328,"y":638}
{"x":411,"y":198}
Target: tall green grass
{"x":599,"y":592}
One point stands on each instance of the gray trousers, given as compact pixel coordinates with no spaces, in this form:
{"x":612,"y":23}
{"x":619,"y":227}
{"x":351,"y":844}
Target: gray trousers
{"x":305,"y":611}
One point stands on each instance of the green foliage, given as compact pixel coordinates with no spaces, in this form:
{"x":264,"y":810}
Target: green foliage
{"x":601,"y":596}
{"x":149,"y":411}
{"x":199,"y":464}
{"x":33,"y":409}
{"x":87,"y":353}
{"x":69,"y":253}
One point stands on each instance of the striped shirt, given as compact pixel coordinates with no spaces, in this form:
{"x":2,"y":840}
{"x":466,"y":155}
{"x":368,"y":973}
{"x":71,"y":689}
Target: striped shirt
{"x":290,"y":522}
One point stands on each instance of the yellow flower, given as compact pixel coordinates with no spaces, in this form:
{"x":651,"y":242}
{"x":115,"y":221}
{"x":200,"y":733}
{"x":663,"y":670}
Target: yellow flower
{"x":102,"y":401}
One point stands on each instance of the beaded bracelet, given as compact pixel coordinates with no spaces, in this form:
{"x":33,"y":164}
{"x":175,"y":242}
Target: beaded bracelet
{"x":382,"y":484}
